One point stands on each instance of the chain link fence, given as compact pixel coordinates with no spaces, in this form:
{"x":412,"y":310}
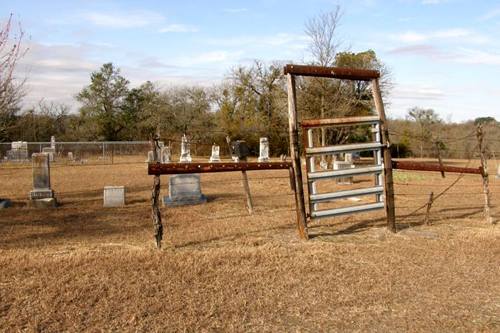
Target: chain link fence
{"x":106,"y":152}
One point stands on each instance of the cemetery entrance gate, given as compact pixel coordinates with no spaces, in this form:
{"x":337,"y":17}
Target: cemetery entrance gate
{"x":381,"y":169}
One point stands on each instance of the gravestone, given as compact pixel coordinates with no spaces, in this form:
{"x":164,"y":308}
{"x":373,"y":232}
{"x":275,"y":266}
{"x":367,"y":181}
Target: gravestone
{"x":114,"y":196}
{"x":323,"y":164}
{"x":348,"y":157}
{"x":341,"y":165}
{"x":71,"y":158}
{"x":165,"y":155}
{"x":50,"y":151}
{"x":185,"y":151}
{"x":215,"y":154}
{"x":53,"y":142}
{"x":239,"y":150}
{"x":18,"y":151}
{"x":184,"y":190}
{"x":263,"y":150}
{"x":150,"y":157}
{"x":41,"y":195}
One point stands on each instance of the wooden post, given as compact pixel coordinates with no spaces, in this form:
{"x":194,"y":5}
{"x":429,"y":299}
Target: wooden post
{"x":484,"y":174}
{"x":429,"y":205}
{"x":292,"y":179}
{"x":155,"y":197}
{"x":440,"y":160}
{"x":295,"y":155}
{"x":247,"y":192}
{"x":389,"y":185}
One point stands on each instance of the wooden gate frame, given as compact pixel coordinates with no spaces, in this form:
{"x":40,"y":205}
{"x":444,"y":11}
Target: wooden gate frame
{"x":345,"y":74}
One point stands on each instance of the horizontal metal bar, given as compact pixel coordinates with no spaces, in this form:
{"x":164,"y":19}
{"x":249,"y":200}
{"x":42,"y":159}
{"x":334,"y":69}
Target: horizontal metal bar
{"x":346,"y":210}
{"x":420,"y":166}
{"x":332,"y":72}
{"x":179,"y":168}
{"x":317,"y":198}
{"x":312,"y":176}
{"x":344,"y":148}
{"x":347,"y":121}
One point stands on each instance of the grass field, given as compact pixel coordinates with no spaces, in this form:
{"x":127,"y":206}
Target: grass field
{"x":82,"y":267}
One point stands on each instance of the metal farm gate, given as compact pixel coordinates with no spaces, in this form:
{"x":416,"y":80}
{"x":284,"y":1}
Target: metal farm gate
{"x":381,"y":169}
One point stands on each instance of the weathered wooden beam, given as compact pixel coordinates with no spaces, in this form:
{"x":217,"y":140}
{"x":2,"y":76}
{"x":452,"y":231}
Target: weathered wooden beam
{"x":180,"y":168}
{"x":422,"y":166}
{"x":246,"y":187}
{"x":293,"y":132}
{"x":155,"y":197}
{"x":484,"y":174}
{"x":332,"y":72}
{"x":390,"y":208}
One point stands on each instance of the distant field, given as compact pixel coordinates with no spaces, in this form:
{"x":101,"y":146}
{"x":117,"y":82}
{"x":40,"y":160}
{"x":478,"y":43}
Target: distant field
{"x":82,"y":267}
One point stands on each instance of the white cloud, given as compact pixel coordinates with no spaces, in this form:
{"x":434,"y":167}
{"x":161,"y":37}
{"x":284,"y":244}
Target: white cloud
{"x":278,"y":39}
{"x":178,"y":28}
{"x":123,"y":20}
{"x":464,"y":35}
{"x":211,"y":57}
{"x":417,"y":92}
{"x":478,"y":57}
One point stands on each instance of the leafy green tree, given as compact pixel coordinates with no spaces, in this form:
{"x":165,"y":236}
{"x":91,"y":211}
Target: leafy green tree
{"x":103,"y":102}
{"x":252,"y":103}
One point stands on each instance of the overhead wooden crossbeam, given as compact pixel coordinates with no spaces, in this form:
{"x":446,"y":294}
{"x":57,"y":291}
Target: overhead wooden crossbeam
{"x":332,"y":72}
{"x":180,"y":168}
{"x":421,"y":166}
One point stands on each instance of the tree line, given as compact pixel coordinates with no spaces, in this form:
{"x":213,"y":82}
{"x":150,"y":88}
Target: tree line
{"x":251,"y":102}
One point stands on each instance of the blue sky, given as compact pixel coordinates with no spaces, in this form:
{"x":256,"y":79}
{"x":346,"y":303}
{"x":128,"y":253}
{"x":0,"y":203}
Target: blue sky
{"x":443,"y":54}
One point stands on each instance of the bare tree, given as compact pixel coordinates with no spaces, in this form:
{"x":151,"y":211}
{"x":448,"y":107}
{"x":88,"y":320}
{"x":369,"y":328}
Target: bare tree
{"x":321,"y":31}
{"x":11,"y":90}
{"x":323,"y":46}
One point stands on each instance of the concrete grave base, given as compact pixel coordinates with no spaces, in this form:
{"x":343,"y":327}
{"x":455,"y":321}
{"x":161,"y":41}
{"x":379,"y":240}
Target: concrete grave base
{"x":43,"y":203}
{"x":41,"y":194}
{"x":184,"y":190}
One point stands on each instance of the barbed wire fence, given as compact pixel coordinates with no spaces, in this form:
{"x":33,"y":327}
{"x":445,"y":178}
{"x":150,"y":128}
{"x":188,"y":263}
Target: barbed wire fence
{"x":136,"y":152}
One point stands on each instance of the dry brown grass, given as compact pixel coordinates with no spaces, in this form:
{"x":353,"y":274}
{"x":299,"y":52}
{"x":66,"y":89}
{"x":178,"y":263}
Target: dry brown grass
{"x":82,"y":267}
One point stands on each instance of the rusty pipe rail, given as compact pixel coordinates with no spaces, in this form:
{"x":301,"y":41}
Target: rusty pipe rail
{"x":422,"y":166}
{"x":332,"y":72}
{"x":181,"y":168}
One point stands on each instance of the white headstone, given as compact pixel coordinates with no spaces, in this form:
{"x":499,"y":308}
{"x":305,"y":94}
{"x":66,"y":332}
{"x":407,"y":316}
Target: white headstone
{"x":184,"y":189}
{"x":263,"y":150}
{"x":50,"y":151}
{"x":150,"y":157}
{"x":215,"y":154}
{"x":53,"y":142}
{"x":165,"y":155}
{"x":71,"y":158}
{"x":114,"y":196}
{"x":185,"y":151}
{"x":323,"y":164}
{"x":18,"y":151}
{"x":342,"y":165}
{"x":348,"y":157}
